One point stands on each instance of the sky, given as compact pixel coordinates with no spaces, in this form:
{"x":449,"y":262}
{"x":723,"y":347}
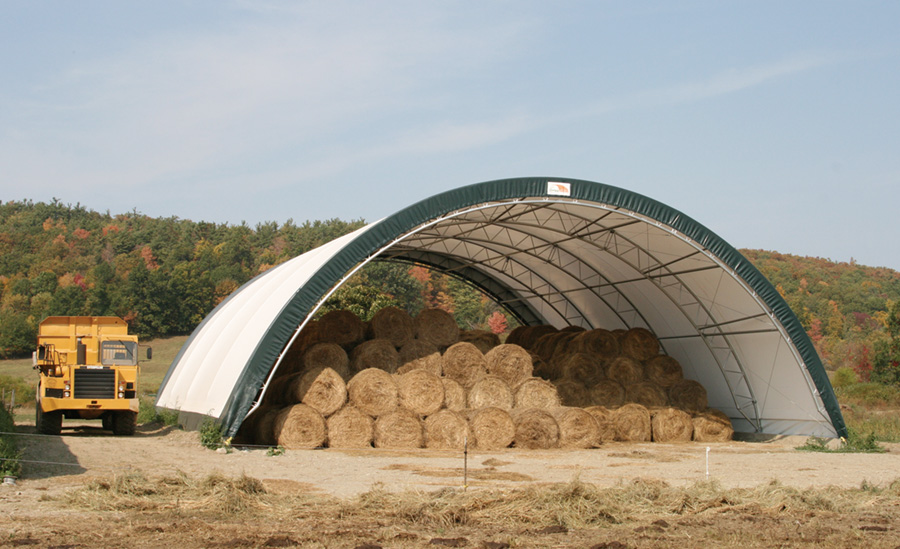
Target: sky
{"x":775,"y":124}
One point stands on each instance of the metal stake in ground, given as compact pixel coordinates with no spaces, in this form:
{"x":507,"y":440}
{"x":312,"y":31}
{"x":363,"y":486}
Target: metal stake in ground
{"x":465,"y":463}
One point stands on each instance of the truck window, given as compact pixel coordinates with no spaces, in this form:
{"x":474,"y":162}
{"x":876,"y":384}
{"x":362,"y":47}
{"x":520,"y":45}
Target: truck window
{"x":118,"y":353}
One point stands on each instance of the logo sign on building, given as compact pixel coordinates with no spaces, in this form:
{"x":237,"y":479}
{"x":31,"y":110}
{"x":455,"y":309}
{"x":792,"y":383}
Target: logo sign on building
{"x":554,"y":188}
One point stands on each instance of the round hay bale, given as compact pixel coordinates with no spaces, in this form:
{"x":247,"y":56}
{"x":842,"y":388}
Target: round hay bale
{"x":547,"y":369}
{"x":446,"y":430}
{"x":601,"y":343}
{"x":663,"y":370}
{"x":640,"y":344}
{"x":421,"y":391}
{"x":299,"y":426}
{"x":536,"y":393}
{"x":375,"y":353}
{"x":454,"y":395}
{"x":671,"y":425}
{"x":265,"y":425}
{"x":327,"y":355}
{"x":483,"y":339}
{"x":464,"y":363}
{"x":341,"y":327}
{"x":606,"y":426}
{"x":582,"y":367}
{"x":632,"y":423}
{"x":607,"y":392}
{"x":546,"y":346}
{"x":535,"y":429}
{"x":573,"y":393}
{"x":350,"y":428}
{"x":515,"y":336}
{"x":492,"y":428}
{"x":322,"y":389}
{"x":437,"y":327}
{"x":293,"y":357}
{"x":625,"y":370}
{"x":689,"y":395}
{"x":400,"y":429}
{"x":531,"y":334}
{"x":577,"y":428}
{"x":646,"y":394}
{"x":277,"y":391}
{"x":490,"y":392}
{"x":510,"y":363}
{"x":393,"y":324}
{"x":373,"y":391}
{"x":416,"y":354}
{"x":712,"y":425}
{"x":576,"y":329}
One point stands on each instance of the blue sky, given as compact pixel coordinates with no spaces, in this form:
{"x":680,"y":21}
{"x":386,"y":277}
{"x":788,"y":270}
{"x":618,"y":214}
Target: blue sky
{"x":775,"y":124}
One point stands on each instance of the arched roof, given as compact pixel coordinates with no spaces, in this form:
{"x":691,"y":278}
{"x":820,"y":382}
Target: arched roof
{"x":551,"y":251}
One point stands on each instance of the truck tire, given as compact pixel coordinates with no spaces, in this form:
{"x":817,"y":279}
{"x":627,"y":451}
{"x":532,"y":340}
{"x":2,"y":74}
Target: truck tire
{"x":124,"y":423}
{"x":107,"y":420}
{"x":48,"y":423}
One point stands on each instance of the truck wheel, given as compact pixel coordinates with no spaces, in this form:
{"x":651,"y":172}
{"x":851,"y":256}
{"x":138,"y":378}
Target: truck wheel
{"x":48,"y":423}
{"x":124,"y":423}
{"x":107,"y":420}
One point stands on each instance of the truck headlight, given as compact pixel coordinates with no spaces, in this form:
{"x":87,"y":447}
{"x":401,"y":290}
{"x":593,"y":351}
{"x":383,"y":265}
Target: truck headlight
{"x":121,"y":394}
{"x":66,"y":394}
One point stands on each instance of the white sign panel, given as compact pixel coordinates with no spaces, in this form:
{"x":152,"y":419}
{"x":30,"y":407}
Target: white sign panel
{"x":554,"y":188}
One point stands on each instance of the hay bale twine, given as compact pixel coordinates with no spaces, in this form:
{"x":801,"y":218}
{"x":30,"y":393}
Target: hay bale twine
{"x":515,"y":336}
{"x":373,"y":391}
{"x":535,"y":392}
{"x":712,"y":425}
{"x":394,"y":324}
{"x":299,"y":426}
{"x":464,"y":363}
{"x":535,"y":429}
{"x":607,"y":392}
{"x":640,"y":344}
{"x":321,"y":388}
{"x":327,"y":355}
{"x":663,"y":370}
{"x":490,"y":392}
{"x":454,"y":395}
{"x":350,"y":428}
{"x":375,"y":353}
{"x":625,"y":370}
{"x":689,"y":395}
{"x":577,"y":428}
{"x":437,"y":327}
{"x":601,"y":343}
{"x":531,"y":334}
{"x":401,"y":429}
{"x":483,"y":339}
{"x":510,"y":363}
{"x":573,"y":393}
{"x":341,"y":327}
{"x":582,"y":367}
{"x":606,"y":426}
{"x":647,"y":394}
{"x":446,"y":430}
{"x":421,"y":391}
{"x":416,"y":354}
{"x":492,"y":428}
{"x":632,"y":423}
{"x":671,"y":425}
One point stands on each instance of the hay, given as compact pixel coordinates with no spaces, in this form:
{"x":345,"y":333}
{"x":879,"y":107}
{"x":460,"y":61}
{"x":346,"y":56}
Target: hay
{"x":515,"y":336}
{"x":322,"y":389}
{"x":510,"y":363}
{"x":577,"y":428}
{"x":535,"y":429}
{"x":632,"y":423}
{"x":277,"y":391}
{"x":712,"y":425}
{"x":625,"y":370}
{"x":464,"y":363}
{"x":421,"y":391}
{"x":293,"y":357}
{"x":393,"y":324}
{"x":536,"y":393}
{"x":582,"y":367}
{"x":299,"y":426}
{"x":606,"y":426}
{"x":373,"y":391}
{"x":327,"y":355}
{"x":608,"y":392}
{"x":437,"y":327}
{"x":640,"y":344}
{"x":689,"y":395}
{"x":547,"y":369}
{"x":546,"y":346}
{"x":576,"y":329}
{"x":671,"y":425}
{"x":483,"y":339}
{"x":492,"y":428}
{"x":646,"y":394}
{"x":531,"y":334}
{"x":341,"y":327}
{"x":416,"y":354}
{"x":400,"y":429}
{"x":663,"y":370}
{"x":601,"y":343}
{"x":454,"y":395}
{"x":265,"y":426}
{"x":375,"y":353}
{"x":490,"y":392}
{"x":573,"y":393}
{"x":350,"y":428}
{"x":446,"y":430}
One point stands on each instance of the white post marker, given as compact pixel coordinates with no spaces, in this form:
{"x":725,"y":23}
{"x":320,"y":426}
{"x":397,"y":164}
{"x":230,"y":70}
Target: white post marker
{"x":707,"y":463}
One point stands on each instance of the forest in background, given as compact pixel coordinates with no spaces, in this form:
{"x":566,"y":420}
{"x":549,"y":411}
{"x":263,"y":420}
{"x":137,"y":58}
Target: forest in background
{"x":164,"y":275}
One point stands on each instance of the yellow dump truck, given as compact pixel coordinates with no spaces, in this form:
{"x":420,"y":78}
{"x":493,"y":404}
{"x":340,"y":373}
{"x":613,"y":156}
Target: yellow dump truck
{"x":88,"y":369}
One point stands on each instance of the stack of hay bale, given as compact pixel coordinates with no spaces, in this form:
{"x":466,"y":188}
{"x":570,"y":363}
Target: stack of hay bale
{"x":402,"y":382}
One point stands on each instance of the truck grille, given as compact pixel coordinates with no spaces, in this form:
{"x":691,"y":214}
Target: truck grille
{"x":94,"y":383}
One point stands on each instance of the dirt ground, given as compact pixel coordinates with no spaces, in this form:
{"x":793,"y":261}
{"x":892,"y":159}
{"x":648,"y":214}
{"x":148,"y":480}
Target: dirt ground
{"x":36,"y":512}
